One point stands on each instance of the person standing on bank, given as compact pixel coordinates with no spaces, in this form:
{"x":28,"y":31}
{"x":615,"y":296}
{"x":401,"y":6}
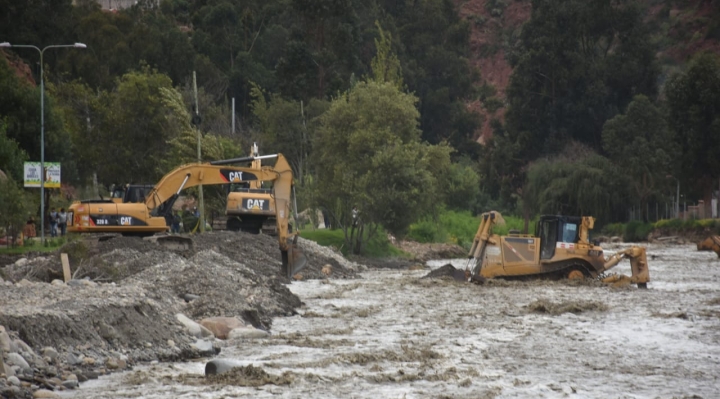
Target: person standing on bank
{"x":62,"y":221}
{"x":53,"y":222}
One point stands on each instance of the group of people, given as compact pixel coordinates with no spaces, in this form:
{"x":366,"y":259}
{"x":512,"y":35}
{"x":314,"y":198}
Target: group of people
{"x":58,"y":220}
{"x":178,"y":216}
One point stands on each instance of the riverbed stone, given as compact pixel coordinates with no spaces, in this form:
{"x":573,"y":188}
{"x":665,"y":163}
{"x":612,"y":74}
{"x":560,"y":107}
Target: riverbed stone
{"x":4,"y":340}
{"x":58,"y":282}
{"x":18,"y":360}
{"x":21,"y":262}
{"x":50,"y":352}
{"x":45,"y":394}
{"x":221,"y":326}
{"x":192,"y":327}
{"x":13,"y":380}
{"x":70,"y":384}
{"x":205,"y":347}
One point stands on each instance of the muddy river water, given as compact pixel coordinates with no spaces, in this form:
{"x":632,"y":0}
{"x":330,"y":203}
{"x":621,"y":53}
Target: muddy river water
{"x":392,"y":334}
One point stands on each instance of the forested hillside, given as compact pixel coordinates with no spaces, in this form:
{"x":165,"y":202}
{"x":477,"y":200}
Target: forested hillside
{"x":587,"y":107}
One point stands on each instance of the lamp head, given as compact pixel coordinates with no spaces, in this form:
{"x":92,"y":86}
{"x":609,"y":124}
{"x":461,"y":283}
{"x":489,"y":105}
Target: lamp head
{"x":5,"y":44}
{"x":79,"y":45}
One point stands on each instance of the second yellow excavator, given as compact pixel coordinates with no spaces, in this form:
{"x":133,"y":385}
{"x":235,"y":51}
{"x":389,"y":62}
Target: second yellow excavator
{"x":150,"y":212}
{"x":560,"y":248}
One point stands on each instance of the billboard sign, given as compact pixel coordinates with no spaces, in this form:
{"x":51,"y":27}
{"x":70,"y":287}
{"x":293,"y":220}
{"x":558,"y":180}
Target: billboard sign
{"x":51,"y":174}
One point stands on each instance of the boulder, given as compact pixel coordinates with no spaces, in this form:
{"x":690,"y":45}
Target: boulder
{"x":221,"y":326}
{"x":204,"y":347}
{"x":16,"y":359}
{"x":4,"y":340}
{"x":45,"y":394}
{"x":193,"y":328}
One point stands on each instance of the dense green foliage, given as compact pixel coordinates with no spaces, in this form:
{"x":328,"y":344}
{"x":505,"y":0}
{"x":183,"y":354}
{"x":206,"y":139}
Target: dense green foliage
{"x":694,"y":102}
{"x":368,"y":101}
{"x":377,"y":247}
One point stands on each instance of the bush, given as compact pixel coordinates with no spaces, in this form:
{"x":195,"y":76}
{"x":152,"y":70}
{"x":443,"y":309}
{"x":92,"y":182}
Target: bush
{"x":613,"y":229}
{"x":637,"y":231}
{"x":674,"y":224}
{"x":426,"y":231}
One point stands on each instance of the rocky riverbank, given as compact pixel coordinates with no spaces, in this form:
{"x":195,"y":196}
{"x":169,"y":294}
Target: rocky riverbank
{"x":134,"y":301}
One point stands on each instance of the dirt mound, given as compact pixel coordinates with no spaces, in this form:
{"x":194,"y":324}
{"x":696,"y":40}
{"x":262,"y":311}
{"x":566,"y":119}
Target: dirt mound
{"x":447,"y":271}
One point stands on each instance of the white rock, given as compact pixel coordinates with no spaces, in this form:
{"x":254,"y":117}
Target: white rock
{"x":24,"y":283}
{"x":45,"y":394}
{"x":4,"y":340}
{"x":247,"y":333}
{"x":203,"y":346}
{"x":9,"y":370}
{"x":21,"y":262}
{"x":13,"y":381}
{"x":50,"y":352}
{"x":57,"y":282}
{"x":16,"y":359}
{"x":193,"y":328}
{"x":23,"y":347}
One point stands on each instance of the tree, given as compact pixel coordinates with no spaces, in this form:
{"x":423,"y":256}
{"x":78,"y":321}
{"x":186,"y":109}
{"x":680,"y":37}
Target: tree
{"x":13,"y":207}
{"x":20,"y":111}
{"x":368,"y":154}
{"x":640,"y":143}
{"x":694,"y":103}
{"x":386,"y":65}
{"x":578,"y":64}
{"x":581,"y":184}
{"x":284,"y":128}
{"x":12,"y":157}
{"x":137,"y":129}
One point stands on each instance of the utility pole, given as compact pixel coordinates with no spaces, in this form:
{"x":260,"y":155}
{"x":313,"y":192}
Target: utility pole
{"x":196,"y":121}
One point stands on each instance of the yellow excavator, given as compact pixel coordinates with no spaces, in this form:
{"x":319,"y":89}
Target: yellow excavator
{"x":559,"y":249}
{"x":144,"y":212}
{"x":250,"y":206}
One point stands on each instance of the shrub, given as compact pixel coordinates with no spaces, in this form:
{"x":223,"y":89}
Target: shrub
{"x":426,"y":231}
{"x":637,"y":231}
{"x":613,"y":229}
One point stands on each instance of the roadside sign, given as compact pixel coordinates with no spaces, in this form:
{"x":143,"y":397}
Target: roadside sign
{"x":51,"y":174}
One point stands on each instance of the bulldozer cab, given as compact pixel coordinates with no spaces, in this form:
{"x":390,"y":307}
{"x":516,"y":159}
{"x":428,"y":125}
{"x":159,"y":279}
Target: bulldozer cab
{"x":556,"y":230}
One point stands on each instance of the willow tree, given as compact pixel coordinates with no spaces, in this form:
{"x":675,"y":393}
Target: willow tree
{"x":585,"y":184}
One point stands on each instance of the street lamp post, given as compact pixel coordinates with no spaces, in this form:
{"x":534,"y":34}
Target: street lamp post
{"x":42,"y":123}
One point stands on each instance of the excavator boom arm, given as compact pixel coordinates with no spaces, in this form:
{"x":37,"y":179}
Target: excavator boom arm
{"x":191,"y":175}
{"x":194,"y":174}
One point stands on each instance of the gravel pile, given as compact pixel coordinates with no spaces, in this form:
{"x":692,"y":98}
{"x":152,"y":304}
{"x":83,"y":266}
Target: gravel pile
{"x":121,"y":306}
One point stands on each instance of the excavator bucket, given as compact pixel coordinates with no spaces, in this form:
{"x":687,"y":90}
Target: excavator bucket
{"x":293,"y":259}
{"x":173,"y":243}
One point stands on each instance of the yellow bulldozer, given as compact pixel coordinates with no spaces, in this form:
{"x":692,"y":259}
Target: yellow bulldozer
{"x":711,"y":243}
{"x":144,"y":212}
{"x":559,"y":249}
